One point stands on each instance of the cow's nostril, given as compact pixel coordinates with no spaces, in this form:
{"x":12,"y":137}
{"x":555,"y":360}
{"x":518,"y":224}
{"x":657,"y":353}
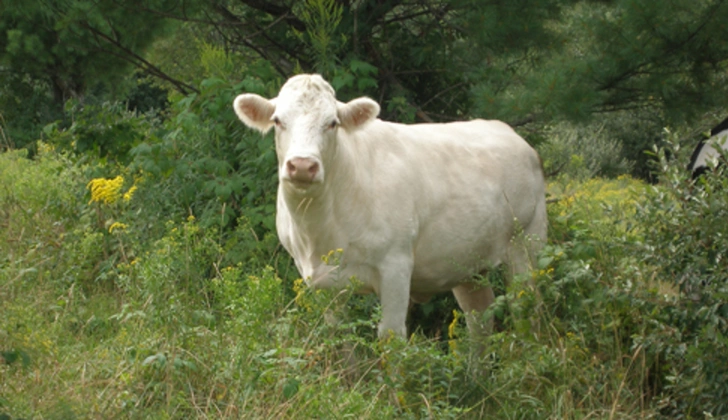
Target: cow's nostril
{"x":313,"y":169}
{"x":291,"y":167}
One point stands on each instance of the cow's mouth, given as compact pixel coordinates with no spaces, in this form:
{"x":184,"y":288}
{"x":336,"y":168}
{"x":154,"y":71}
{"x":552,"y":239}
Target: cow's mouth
{"x":301,"y":184}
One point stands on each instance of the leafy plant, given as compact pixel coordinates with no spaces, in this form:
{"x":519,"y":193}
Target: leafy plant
{"x":685,"y":245}
{"x":583,"y":152}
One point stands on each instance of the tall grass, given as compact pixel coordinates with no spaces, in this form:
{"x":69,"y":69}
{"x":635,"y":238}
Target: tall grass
{"x":119,"y":323}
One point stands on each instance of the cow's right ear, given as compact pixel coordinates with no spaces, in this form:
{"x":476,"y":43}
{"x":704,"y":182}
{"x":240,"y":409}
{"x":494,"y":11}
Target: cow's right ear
{"x":357,"y":112}
{"x":255,"y":111}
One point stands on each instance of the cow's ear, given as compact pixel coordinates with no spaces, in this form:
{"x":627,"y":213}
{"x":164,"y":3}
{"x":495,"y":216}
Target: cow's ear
{"x":255,"y":111}
{"x":357,"y":112}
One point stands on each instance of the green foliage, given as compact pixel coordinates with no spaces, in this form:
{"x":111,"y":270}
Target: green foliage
{"x":51,"y":52}
{"x":685,"y":243}
{"x":106,"y":132}
{"x":25,"y":107}
{"x":582,"y":153}
{"x":623,"y":317}
{"x":72,"y":46}
{"x":633,"y":65}
{"x":606,"y":56}
{"x":209,"y":164}
{"x":321,"y":18}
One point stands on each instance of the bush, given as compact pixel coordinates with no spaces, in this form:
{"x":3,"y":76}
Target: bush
{"x":583,"y":152}
{"x":208,"y":164}
{"x":686,"y":245}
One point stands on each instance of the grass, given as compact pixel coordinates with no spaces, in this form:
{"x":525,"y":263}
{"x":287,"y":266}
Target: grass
{"x":98,"y":324}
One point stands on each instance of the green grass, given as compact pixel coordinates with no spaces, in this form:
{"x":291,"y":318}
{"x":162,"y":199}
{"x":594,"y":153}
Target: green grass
{"x":99,"y":324}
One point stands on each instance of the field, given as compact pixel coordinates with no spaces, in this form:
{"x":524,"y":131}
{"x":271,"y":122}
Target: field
{"x":111,"y":309}
{"x":140,"y":272}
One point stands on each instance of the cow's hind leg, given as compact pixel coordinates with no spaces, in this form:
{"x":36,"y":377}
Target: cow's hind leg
{"x":522,"y":259}
{"x":474,"y":299}
{"x":524,"y":246}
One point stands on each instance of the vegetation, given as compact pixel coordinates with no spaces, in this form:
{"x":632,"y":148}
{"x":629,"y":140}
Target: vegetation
{"x":140,"y":274}
{"x":108,"y":313}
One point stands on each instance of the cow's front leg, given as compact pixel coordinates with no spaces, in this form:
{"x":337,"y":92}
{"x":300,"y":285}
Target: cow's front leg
{"x":394,"y":294}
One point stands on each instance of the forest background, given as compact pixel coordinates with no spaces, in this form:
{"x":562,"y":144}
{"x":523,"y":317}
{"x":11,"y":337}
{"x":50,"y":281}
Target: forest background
{"x":140,"y":275}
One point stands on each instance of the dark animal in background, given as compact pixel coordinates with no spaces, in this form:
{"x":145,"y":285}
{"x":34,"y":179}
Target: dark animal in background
{"x":706,"y":150}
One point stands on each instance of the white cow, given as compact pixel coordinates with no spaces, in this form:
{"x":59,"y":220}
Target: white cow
{"x":417,"y":209}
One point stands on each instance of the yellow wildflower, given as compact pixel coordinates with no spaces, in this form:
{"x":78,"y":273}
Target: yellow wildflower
{"x":104,"y":190}
{"x":333,"y":257}
{"x":117,"y":226}
{"x":301,"y":300}
{"x":44,"y":148}
{"x":451,"y":330}
{"x":129,"y":194}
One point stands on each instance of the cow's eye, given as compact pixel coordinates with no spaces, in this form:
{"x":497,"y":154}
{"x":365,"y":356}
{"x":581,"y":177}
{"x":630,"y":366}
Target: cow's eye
{"x":277,"y":122}
{"x":332,"y":125}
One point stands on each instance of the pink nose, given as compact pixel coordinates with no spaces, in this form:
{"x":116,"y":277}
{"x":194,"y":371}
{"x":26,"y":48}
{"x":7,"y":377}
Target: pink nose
{"x":302,"y":169}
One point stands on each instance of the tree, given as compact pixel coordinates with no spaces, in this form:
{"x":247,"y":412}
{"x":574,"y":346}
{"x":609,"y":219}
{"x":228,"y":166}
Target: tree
{"x":530,"y":63}
{"x":73,"y":45}
{"x":52,"y":51}
{"x":418,"y":49}
{"x":634,"y":66}
{"x":621,"y":55}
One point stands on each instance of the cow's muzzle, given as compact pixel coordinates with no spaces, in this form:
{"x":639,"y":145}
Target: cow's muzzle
{"x":302,"y":171}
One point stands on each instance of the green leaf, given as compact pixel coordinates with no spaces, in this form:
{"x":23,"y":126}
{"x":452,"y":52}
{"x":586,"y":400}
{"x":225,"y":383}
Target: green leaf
{"x":290,"y":388}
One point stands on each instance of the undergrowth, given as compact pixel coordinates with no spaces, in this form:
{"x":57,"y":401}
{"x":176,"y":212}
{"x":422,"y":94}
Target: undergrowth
{"x":107,"y":313}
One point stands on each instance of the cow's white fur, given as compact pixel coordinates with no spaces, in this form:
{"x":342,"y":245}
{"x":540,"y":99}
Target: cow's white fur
{"x":417,"y":209}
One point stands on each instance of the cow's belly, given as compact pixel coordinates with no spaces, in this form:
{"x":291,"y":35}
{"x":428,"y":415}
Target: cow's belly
{"x":443,"y":274}
{"x":455,"y":249}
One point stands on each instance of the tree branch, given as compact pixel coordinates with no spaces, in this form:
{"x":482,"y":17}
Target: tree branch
{"x":135,"y":59}
{"x":246,"y":39}
{"x":276,"y":10}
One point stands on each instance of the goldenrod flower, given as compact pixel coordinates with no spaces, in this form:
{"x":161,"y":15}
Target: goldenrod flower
{"x":104,"y":190}
{"x":44,"y":148}
{"x":451,"y":330}
{"x":108,"y":191}
{"x":117,"y":226}
{"x":333,"y":257}
{"x":129,"y":194}
{"x":299,"y":287}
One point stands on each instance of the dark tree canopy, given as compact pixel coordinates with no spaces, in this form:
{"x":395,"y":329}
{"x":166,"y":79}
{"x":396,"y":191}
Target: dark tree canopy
{"x":520,"y":61}
{"x":536,"y":61}
{"x":72,"y":45}
{"x":53,"y":51}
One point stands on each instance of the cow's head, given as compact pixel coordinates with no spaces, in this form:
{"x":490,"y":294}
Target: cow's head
{"x":307,"y":118}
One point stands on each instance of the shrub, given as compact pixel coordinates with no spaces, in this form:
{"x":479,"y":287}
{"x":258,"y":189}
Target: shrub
{"x":583,"y":152}
{"x":207,"y":164}
{"x":106,"y":131}
{"x":685,"y":245}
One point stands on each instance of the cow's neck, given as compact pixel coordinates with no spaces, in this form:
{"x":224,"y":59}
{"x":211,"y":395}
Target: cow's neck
{"x":305,"y":210}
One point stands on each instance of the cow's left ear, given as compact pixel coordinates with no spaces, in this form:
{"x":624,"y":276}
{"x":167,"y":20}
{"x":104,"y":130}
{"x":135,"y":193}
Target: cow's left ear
{"x":357,"y":112}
